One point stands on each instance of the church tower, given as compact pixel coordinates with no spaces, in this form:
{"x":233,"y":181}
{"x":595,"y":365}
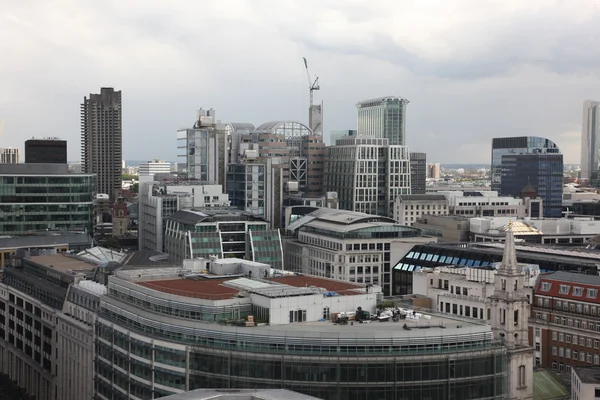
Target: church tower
{"x":509,"y":310}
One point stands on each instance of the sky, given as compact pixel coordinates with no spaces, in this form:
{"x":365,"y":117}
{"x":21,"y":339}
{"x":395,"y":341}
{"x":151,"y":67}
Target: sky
{"x":471,"y":69}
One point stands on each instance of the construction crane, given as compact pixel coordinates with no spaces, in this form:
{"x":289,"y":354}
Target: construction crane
{"x":312,"y":85}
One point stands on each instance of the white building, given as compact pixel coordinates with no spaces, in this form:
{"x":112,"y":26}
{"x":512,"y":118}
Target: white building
{"x":158,"y":200}
{"x":349,"y":246}
{"x":409,"y":208}
{"x":585,"y":383}
{"x":154,"y":167}
{"x":8,"y":155}
{"x":488,"y":204}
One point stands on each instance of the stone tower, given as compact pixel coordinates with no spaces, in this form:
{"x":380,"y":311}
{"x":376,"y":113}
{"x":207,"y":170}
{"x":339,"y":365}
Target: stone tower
{"x":510,"y":313}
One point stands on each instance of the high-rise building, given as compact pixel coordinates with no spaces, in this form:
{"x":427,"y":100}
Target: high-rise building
{"x":418,"y":172}
{"x":8,"y":155}
{"x":101,"y":139}
{"x":46,"y":151}
{"x":335,"y":135}
{"x":519,"y":161}
{"x":154,"y":167}
{"x":590,"y":142}
{"x":205,"y":148}
{"x":434,"y":171}
{"x":368,"y":174}
{"x":384,"y":117}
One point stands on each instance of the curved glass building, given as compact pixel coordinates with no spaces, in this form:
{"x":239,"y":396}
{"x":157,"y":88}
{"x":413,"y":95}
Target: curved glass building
{"x":161,"y":332}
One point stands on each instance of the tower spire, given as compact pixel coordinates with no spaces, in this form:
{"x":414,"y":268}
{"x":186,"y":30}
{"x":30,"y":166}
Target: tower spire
{"x":509,"y":257}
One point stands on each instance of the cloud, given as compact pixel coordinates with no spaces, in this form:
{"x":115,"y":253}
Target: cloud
{"x":472,"y":70}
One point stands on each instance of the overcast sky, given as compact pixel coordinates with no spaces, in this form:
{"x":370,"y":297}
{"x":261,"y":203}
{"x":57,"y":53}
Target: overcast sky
{"x":471,"y":69}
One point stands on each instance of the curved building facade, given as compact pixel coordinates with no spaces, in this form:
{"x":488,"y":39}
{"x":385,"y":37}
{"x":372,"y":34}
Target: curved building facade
{"x":152,"y":342}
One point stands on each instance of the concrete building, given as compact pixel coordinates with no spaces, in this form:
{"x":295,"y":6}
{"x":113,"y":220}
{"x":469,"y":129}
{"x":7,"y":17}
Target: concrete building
{"x":368,"y":174}
{"x":590,"y":142}
{"x":340,"y":134}
{"x":483,"y":203}
{"x":518,"y":162}
{"x":445,"y":228}
{"x":8,"y":155}
{"x":36,"y":197}
{"x":191,"y":234}
{"x":383,"y":118}
{"x":265,"y":333}
{"x":434,"y":171}
{"x":409,"y":208}
{"x":348,"y":246}
{"x":585,"y":383}
{"x":101,"y":140}
{"x":204,"y":149}
{"x":154,"y":167}
{"x":48,"y":352}
{"x":158,"y":200}
{"x":418,"y":172}
{"x":46,"y":151}
{"x":564,"y":320}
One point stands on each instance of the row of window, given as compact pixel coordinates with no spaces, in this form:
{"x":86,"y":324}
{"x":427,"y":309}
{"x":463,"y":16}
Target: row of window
{"x":575,"y":355}
{"x":574,"y":339}
{"x":565,"y":289}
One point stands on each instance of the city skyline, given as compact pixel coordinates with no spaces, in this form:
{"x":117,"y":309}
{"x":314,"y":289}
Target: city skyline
{"x":465,"y":86}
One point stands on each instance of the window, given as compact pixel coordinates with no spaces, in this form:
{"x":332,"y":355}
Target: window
{"x":568,"y":353}
{"x":596,"y":344}
{"x":553,"y":335}
{"x":546,"y":286}
{"x":568,"y":338}
{"x":577,"y":291}
{"x":582,"y":356}
{"x":558,"y":304}
{"x":588,"y":342}
{"x":522,"y":376}
{"x":537,"y":332}
{"x":592,"y":293}
{"x":561,"y":337}
{"x":563,"y":289}
{"x":537,"y":346}
{"x":554,"y":351}
{"x":588,"y":358}
{"x":596,"y":359}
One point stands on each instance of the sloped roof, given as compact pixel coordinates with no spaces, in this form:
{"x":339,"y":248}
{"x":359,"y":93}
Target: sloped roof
{"x":520,"y":228}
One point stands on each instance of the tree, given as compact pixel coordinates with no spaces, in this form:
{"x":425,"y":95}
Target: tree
{"x":135,"y":188}
{"x":128,"y":177}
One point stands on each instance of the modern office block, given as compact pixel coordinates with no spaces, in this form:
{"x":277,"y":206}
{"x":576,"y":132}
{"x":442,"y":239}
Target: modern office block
{"x":154,"y":167}
{"x":8,"y":155}
{"x":528,"y":160}
{"x":101,"y":140}
{"x":44,"y":196}
{"x":384,"y":117}
{"x":46,"y":151}
{"x":418,"y":172}
{"x":590,"y":142}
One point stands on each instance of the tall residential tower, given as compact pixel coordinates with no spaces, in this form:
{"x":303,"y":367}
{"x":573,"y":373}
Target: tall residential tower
{"x":101,"y":139}
{"x":590,"y":143}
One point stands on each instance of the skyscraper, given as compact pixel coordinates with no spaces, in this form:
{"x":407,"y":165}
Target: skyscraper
{"x":528,"y":160}
{"x":590,"y":142}
{"x":384,"y":117}
{"x":101,"y":139}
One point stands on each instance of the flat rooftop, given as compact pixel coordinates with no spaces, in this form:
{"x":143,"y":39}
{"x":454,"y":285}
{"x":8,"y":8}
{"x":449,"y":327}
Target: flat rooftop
{"x":345,"y":288}
{"x":62,"y":263}
{"x":208,"y":289}
{"x":588,"y":374}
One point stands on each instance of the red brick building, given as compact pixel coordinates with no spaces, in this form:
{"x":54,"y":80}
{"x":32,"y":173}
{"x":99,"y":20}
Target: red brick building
{"x":565,"y":320}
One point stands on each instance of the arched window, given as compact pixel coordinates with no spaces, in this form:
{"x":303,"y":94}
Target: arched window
{"x":522,"y":382}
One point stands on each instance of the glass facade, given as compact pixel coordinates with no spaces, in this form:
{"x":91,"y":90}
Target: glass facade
{"x":543,"y":171}
{"x":39,"y":202}
{"x":383,"y":118}
{"x":150,"y":355}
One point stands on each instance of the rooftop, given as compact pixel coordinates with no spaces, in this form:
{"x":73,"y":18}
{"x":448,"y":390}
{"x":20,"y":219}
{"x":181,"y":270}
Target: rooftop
{"x":63,"y":263}
{"x":588,"y":374}
{"x":381,"y":100}
{"x":422,"y":197}
{"x":101,"y":255}
{"x":192,"y":217}
{"x":45,"y":239}
{"x":330,"y":285}
{"x":208,"y":289}
{"x":546,"y":386}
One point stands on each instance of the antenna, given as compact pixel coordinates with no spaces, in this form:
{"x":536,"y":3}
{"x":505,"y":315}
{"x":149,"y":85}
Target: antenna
{"x":312,"y":85}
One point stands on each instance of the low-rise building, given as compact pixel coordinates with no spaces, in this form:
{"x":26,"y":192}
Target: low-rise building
{"x":349,"y":246}
{"x":445,"y":228}
{"x":585,"y":383}
{"x":409,"y":208}
{"x":565,"y":320}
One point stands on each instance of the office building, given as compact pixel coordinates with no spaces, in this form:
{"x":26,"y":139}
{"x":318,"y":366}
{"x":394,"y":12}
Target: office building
{"x":409,"y":208}
{"x":37,"y":197}
{"x":192,"y":234}
{"x":348,"y":246}
{"x":264,"y":333}
{"x":585,"y":383}
{"x":565,"y":320}
{"x":368,"y":174}
{"x":46,"y":151}
{"x":434,"y":171}
{"x":240,"y":394}
{"x":521,"y":161}
{"x":590,"y":142}
{"x":384,"y":118}
{"x":101,"y":140}
{"x":418,"y":172}
{"x":341,"y":134}
{"x":476,"y":255}
{"x":204,"y":149}
{"x":8,"y":155}
{"x":154,"y":167}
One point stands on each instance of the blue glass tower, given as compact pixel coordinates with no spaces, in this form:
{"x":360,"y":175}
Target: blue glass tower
{"x":518,"y":161}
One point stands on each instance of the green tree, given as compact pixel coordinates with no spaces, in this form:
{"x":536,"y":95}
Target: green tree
{"x":135,"y":188}
{"x":128,"y":177}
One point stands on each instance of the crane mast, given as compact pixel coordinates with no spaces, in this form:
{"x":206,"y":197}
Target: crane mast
{"x":312,"y":85}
